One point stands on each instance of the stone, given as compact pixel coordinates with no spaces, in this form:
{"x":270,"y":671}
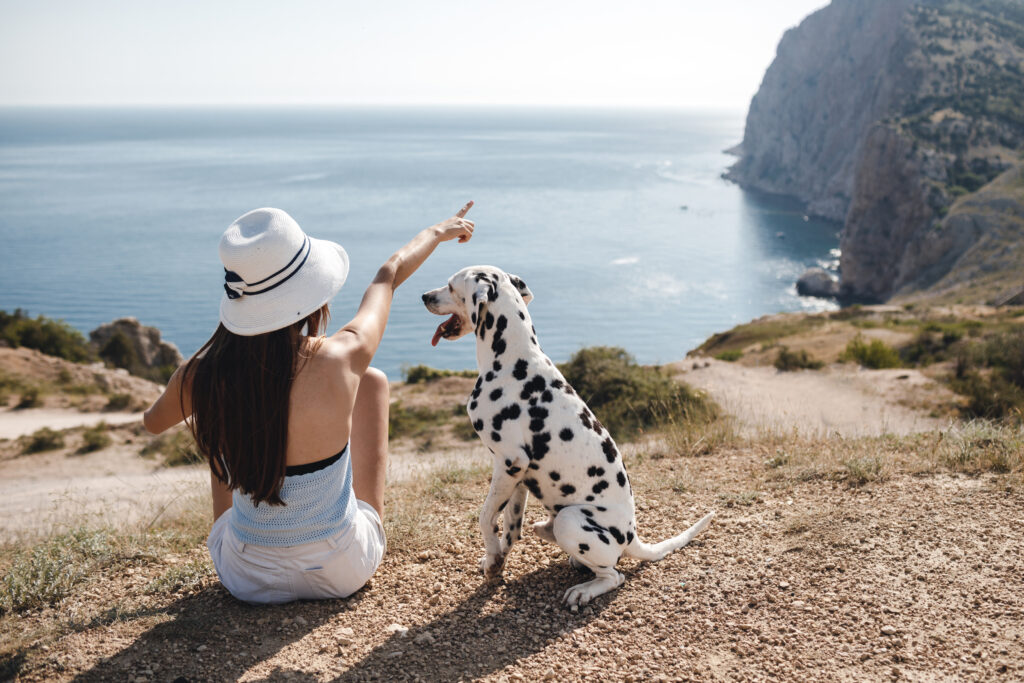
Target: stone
{"x":888,"y":630}
{"x":817,"y":282}
{"x":128,"y":344}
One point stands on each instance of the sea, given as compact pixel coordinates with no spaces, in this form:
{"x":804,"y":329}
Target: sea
{"x":618,"y":220}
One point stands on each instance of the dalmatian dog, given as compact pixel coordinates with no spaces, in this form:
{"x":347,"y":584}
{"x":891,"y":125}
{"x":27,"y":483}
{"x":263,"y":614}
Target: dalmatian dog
{"x":545,"y":440}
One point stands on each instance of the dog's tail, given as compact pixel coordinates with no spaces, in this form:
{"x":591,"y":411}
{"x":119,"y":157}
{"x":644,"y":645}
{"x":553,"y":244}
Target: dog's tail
{"x":656,"y":551}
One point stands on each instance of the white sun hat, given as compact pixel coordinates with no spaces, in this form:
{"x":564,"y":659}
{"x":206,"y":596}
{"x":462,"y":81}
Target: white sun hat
{"x":275,"y":274}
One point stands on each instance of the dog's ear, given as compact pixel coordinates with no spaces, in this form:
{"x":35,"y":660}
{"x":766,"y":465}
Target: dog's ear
{"x":524,"y":291}
{"x":484,"y":293}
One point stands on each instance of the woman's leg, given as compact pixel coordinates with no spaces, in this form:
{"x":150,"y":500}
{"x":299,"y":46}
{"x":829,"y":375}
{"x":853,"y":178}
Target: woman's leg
{"x":369,"y":439}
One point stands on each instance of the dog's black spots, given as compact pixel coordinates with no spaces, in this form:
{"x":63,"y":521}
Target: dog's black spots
{"x":509,"y":412}
{"x":534,"y":488}
{"x":472,"y":316}
{"x":480,"y":277}
{"x":608,"y":446}
{"x":519,"y":371}
{"x":492,"y":294}
{"x":489,"y":320}
{"x":533,"y":340}
{"x":621,"y":478}
{"x":522,"y":316}
{"x":601,"y":508}
{"x":502,"y":506}
{"x":539,"y":447}
{"x":517,"y":509}
{"x":537,"y":414}
{"x":546,"y":397}
{"x":478,"y":425}
{"x":472,"y":405}
{"x":585,"y":418}
{"x":496,"y":394}
{"x":489,"y":377}
{"x":498,"y":346}
{"x":629,"y":537}
{"x":495,"y":436}
{"x":533,"y":466}
{"x":603,"y":539}
{"x":556,"y":383}
{"x":568,"y":390}
{"x":535,"y":385}
{"x":597,"y":426}
{"x":565,"y":434}
{"x":587,"y":513}
{"x":508,"y":538}
{"x":533,"y":401}
{"x":590,"y":499}
{"x":617,"y":535}
{"x":555,"y":476}
{"x":595,"y":471}
{"x":599,"y":486}
{"x":513,"y":471}
{"x":501,"y":322}
{"x":495,"y":528}
{"x":497,"y":366}
{"x":567,"y":489}
{"x":508,"y":462}
{"x":584,"y":548}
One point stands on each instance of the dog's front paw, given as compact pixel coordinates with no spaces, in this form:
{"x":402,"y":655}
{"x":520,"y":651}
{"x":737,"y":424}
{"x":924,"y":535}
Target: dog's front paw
{"x":492,"y":566}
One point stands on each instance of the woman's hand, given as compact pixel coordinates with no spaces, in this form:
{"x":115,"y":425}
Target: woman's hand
{"x":456,"y":226}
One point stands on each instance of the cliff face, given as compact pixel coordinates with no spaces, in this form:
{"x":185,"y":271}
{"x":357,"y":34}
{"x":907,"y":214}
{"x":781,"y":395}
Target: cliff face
{"x":882,"y":113}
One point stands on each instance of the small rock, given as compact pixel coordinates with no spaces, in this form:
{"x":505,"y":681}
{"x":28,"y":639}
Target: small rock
{"x":888,"y":630}
{"x":201,"y":648}
{"x":783,"y":585}
{"x":423,"y":638}
{"x":402,"y":631}
{"x":301,"y":621}
{"x":817,"y":282}
{"x":423,"y":556}
{"x":548,"y":675}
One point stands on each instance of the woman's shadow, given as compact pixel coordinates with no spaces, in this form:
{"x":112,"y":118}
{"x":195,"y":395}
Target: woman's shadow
{"x":495,"y":626}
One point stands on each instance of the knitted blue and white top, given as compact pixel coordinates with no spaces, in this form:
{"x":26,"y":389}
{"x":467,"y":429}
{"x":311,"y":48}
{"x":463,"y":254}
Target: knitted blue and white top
{"x":317,"y":506}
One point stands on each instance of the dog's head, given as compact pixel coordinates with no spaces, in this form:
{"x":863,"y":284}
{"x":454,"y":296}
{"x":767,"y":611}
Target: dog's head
{"x":468,"y":293}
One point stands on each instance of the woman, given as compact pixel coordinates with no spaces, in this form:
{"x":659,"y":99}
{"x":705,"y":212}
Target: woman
{"x":294,"y":424}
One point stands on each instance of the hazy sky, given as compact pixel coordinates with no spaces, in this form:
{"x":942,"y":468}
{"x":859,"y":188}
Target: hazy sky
{"x":531,"y":52}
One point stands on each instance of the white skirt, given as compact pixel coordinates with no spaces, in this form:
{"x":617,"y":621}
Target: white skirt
{"x":334,"y":568}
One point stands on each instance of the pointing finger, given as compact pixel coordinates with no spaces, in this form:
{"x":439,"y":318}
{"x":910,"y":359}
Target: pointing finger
{"x":463,"y":210}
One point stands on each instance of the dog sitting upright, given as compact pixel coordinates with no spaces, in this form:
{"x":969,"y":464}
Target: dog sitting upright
{"x":544,"y":439}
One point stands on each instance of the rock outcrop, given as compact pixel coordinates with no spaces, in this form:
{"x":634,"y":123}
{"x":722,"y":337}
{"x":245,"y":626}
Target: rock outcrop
{"x":128,"y":344}
{"x":882,"y":113}
{"x":817,"y":282}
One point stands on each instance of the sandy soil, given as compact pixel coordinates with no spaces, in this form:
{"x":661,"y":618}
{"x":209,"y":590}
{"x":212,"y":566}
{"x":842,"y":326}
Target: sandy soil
{"x":915,"y":578}
{"x":839,"y":399}
{"x":15,"y":423}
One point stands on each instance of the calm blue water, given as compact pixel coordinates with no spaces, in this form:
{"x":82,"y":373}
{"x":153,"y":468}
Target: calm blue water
{"x":618,"y":221}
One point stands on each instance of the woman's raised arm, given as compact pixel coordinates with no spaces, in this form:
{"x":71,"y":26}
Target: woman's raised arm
{"x":363,"y":334}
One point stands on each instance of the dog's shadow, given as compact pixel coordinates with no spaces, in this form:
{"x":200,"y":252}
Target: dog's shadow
{"x":496,"y":626}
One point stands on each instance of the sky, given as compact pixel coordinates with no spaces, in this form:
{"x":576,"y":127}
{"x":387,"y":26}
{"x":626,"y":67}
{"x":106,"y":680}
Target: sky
{"x":643,"y":53}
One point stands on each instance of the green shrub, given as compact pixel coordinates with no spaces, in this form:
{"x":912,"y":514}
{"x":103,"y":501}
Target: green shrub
{"x":176,"y":448}
{"x":788,"y":360}
{"x":52,"y":337}
{"x":95,"y":438}
{"x":30,"y":398}
{"x":413,"y":422}
{"x":183,"y":577}
{"x":876,"y":355}
{"x":425,"y":373}
{"x":118,"y":402}
{"x":730,"y":356}
{"x":45,"y":574}
{"x":629,"y":398}
{"x":119,"y":352}
{"x":44,"y":439}
{"x":990,"y":395}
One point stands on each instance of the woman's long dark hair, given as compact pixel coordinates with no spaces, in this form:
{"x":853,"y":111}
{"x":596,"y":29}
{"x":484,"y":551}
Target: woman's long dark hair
{"x":241,"y":388}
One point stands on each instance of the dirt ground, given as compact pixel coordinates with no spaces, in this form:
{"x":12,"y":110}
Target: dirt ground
{"x":910,"y":577}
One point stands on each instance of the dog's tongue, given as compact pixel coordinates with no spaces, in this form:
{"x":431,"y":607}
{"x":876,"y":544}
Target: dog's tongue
{"x":440,"y":330}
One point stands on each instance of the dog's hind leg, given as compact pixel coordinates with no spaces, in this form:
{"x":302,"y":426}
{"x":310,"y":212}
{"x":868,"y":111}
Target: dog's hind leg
{"x":504,"y":481}
{"x":652,"y":552}
{"x":514,"y":510}
{"x":545,"y":529}
{"x":591,"y":545}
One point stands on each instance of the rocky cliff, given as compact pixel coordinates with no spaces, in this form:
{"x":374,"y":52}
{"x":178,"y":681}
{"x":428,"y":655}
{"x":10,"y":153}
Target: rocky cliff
{"x":882,"y":114}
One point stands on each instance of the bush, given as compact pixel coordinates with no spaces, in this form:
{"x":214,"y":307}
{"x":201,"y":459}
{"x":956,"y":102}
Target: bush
{"x":990,"y":373}
{"x":176,"y":448}
{"x":119,"y":352}
{"x":788,"y":360}
{"x":29,"y":398}
{"x":52,"y":337}
{"x":44,"y":439}
{"x":95,"y":438}
{"x":629,"y":398}
{"x":876,"y":355}
{"x":730,"y":356}
{"x":46,"y":573}
{"x":425,"y":373}
{"x":413,"y":422}
{"x":118,"y":402}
